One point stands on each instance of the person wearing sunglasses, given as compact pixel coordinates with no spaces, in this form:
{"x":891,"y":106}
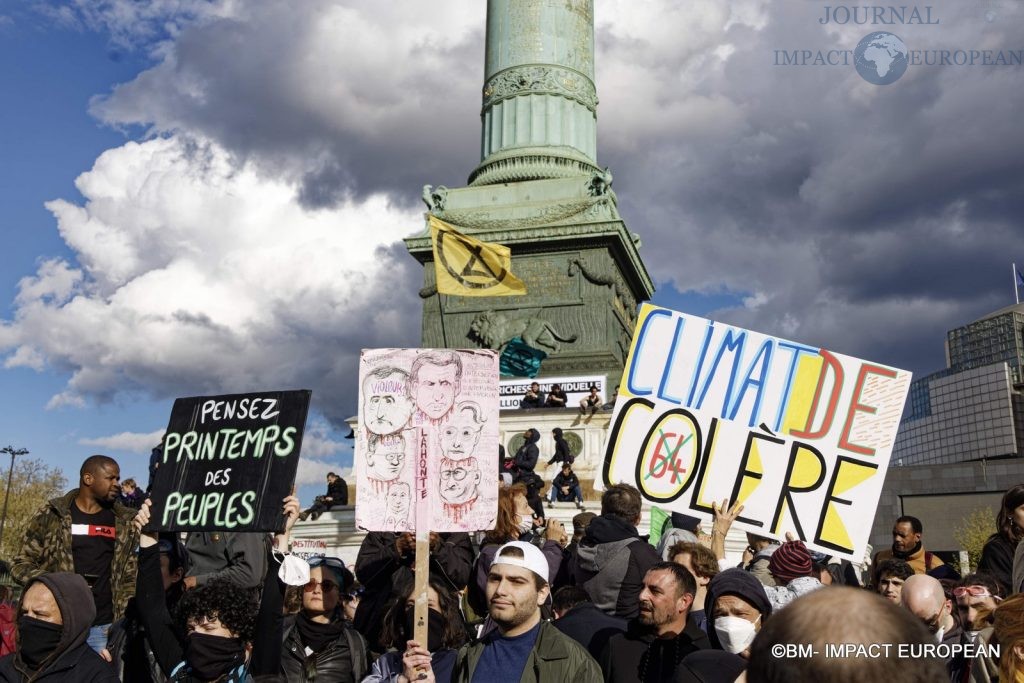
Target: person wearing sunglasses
{"x":976,"y":597}
{"x":407,"y":659}
{"x":318,"y":644}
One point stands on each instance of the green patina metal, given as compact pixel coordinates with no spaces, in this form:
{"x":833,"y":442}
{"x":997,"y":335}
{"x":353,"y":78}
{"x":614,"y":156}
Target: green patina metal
{"x":539,"y":190}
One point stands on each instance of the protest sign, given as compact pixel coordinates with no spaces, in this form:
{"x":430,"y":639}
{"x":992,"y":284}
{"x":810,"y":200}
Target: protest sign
{"x":575,"y":387}
{"x":306,"y":548}
{"x":427,"y":443}
{"x":227,"y":462}
{"x":800,"y":435}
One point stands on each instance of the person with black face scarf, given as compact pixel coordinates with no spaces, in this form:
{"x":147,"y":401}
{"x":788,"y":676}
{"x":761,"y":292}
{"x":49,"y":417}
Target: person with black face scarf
{"x":128,"y":645}
{"x":318,"y":644}
{"x":54,"y":618}
{"x":226,"y":640}
{"x":446,"y":632}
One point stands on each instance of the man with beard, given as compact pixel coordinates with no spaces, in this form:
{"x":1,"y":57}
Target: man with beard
{"x":459,"y":484}
{"x":907,"y":546}
{"x":387,"y":400}
{"x":88,"y":532}
{"x":523,"y":647}
{"x":657,"y":640}
{"x":436,"y":378}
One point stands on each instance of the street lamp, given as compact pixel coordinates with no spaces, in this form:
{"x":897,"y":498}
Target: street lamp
{"x":10,"y":476}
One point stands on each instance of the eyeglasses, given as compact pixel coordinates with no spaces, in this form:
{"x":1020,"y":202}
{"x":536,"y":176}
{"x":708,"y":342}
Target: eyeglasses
{"x":458,"y":474}
{"x":325,"y":586}
{"x":974,"y":592}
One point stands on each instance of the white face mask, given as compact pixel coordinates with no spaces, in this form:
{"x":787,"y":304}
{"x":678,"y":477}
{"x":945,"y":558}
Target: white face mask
{"x":525,"y":525}
{"x":735,"y":633}
{"x":938,"y":635}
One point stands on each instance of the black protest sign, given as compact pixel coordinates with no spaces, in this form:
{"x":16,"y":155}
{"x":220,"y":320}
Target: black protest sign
{"x":227,"y":462}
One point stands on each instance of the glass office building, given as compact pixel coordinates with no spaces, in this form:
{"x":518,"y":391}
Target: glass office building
{"x":973,"y":409}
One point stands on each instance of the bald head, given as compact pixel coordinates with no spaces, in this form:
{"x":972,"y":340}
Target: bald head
{"x":922,"y":593}
{"x":922,"y":596}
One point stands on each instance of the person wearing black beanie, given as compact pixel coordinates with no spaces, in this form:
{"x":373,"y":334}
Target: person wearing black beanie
{"x":739,"y":606}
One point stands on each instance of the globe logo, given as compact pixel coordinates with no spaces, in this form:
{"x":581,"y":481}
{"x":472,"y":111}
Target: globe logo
{"x":880,"y":58}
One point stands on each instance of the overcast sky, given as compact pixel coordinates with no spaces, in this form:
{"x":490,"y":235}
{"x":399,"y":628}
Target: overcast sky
{"x":210,"y":196}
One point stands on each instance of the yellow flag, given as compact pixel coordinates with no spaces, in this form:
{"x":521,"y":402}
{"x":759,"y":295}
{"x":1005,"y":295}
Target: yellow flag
{"x":468,"y":267}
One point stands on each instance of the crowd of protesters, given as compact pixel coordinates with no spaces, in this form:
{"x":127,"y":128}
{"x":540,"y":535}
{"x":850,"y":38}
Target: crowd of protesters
{"x":104,"y":600}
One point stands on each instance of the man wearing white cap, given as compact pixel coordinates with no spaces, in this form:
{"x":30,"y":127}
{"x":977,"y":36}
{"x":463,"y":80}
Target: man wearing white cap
{"x":523,"y":648}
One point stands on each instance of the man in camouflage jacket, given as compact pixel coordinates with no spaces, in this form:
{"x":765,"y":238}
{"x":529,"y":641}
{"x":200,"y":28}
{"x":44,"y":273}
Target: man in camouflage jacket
{"x":47,"y":547}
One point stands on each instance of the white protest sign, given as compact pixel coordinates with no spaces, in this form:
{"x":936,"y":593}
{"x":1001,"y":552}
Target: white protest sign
{"x":427,"y":444}
{"x":800,"y":435}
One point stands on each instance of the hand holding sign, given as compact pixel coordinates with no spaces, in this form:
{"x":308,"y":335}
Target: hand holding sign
{"x":225,"y":461}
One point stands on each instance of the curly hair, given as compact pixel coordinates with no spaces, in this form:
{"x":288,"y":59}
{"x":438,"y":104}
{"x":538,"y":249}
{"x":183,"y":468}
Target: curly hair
{"x":221,"y":599}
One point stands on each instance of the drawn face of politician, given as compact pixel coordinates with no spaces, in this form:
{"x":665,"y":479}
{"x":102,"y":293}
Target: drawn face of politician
{"x":435,"y":387}
{"x":460,"y":436}
{"x":398,"y":501}
{"x":459,"y":481}
{"x":385,"y":457}
{"x":386,"y":403}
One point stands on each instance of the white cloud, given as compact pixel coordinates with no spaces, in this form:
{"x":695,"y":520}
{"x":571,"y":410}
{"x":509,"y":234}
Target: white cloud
{"x":315,"y":472}
{"x":201,"y":276}
{"x":829,"y":201}
{"x":129,"y":442}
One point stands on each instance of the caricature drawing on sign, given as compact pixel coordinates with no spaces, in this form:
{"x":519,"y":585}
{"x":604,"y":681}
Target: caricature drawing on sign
{"x":435,"y":379}
{"x":397,"y":506}
{"x":460,"y":436}
{"x":385,"y":457}
{"x":387,"y":400}
{"x":460,"y":481}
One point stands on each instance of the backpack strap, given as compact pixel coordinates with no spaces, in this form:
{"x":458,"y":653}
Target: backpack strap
{"x":928,"y":557}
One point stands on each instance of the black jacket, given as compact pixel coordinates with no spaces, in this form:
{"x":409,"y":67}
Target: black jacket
{"x":997,"y":561}
{"x":73,"y":659}
{"x":610,"y":564}
{"x":526,"y":402}
{"x":526,"y":456}
{"x":380,"y":569}
{"x":638,"y":656}
{"x":562,"y":453}
{"x":163,"y":638}
{"x":562,"y":480}
{"x":590,"y":627}
{"x":338,"y":492}
{"x":346,"y":660}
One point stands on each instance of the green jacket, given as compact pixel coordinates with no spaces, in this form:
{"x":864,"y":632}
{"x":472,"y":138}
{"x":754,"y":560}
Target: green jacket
{"x":47,"y":548}
{"x":555,"y":657}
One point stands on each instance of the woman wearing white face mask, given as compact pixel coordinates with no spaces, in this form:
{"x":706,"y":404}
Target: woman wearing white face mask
{"x":514,"y":523}
{"x":739,"y":606}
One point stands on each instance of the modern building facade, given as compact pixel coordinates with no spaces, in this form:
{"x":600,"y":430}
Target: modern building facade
{"x":973,"y":409}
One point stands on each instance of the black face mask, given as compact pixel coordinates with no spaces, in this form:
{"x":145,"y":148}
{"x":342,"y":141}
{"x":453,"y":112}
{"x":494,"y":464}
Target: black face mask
{"x":37,"y":640}
{"x":213,"y":656}
{"x":435,"y":628}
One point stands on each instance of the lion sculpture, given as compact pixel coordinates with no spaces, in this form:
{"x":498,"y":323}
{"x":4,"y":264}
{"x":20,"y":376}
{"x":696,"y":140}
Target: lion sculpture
{"x":495,"y":330}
